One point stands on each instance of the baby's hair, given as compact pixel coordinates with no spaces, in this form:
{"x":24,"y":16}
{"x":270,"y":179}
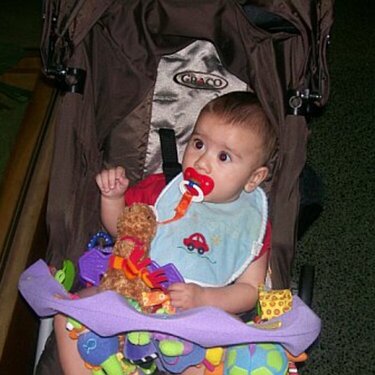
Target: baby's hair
{"x":244,"y":109}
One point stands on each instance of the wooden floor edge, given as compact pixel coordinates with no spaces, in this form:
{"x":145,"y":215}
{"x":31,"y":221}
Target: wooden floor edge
{"x":21,"y":164}
{"x":29,"y":209}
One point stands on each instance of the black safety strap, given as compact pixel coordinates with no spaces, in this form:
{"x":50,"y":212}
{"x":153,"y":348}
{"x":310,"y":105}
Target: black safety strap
{"x":171,"y":166}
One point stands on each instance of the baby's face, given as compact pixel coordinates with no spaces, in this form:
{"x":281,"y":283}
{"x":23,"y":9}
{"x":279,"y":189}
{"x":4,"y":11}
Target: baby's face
{"x":229,"y":154}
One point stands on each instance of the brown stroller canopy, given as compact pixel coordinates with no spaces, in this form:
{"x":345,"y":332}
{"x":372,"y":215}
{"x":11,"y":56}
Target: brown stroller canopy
{"x":115,"y":46}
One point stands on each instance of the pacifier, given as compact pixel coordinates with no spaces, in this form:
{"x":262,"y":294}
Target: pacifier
{"x":194,"y":187}
{"x":198,"y":185}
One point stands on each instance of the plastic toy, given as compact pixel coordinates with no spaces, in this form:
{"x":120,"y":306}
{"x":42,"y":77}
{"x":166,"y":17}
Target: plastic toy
{"x":92,"y":266}
{"x":65,"y":276}
{"x":101,"y":241}
{"x":94,"y":262}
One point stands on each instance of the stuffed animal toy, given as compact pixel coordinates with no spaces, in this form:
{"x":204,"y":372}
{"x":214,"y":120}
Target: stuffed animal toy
{"x":128,"y":272}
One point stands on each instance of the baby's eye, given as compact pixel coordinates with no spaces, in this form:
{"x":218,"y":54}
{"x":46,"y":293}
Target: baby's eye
{"x":198,"y":144}
{"x":224,"y":156}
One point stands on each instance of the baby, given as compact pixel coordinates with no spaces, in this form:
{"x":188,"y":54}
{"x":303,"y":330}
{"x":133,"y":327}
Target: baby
{"x":220,"y":240}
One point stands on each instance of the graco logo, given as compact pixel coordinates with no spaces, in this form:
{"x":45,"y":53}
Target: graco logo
{"x":198,"y":80}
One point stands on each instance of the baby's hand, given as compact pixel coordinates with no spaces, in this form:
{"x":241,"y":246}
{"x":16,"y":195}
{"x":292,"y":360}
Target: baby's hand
{"x":186,"y":295}
{"x":112,"y":182}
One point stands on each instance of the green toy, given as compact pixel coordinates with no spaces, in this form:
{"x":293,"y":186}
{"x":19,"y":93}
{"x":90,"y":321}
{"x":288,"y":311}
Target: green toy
{"x":66,"y":275}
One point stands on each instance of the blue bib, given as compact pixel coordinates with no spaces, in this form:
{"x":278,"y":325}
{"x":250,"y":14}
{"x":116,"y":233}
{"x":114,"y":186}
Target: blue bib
{"x":213,"y":243}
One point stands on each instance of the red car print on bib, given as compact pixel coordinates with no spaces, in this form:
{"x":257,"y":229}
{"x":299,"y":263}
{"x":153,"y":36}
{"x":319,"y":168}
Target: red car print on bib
{"x":196,"y":242}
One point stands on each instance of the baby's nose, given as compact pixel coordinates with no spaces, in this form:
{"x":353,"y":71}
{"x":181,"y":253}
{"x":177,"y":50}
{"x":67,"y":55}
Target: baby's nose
{"x":203,"y":164}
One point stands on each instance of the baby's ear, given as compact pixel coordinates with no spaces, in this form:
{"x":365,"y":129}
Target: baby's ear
{"x":256,"y":178}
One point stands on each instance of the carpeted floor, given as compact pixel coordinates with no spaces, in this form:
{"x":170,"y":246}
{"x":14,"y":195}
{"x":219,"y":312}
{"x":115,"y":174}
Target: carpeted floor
{"x":341,"y":242}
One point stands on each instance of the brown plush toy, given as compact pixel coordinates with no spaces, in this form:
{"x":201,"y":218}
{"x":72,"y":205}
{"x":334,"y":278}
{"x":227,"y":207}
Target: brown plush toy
{"x":127,"y":273}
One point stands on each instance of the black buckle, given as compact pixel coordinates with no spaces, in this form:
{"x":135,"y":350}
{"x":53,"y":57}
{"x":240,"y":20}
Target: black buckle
{"x":68,"y":79}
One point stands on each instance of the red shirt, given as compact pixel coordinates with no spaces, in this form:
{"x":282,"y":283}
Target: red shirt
{"x":148,"y":190}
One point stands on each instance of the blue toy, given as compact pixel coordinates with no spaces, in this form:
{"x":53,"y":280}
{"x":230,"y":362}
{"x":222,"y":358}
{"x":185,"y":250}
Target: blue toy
{"x":100,"y":353}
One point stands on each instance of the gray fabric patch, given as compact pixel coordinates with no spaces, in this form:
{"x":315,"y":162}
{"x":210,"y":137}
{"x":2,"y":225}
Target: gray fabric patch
{"x":186,"y":81}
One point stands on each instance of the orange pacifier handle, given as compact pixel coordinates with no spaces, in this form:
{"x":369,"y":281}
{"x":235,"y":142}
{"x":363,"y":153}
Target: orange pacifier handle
{"x":194,"y":187}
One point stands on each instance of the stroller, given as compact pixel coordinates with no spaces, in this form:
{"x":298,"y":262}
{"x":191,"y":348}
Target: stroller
{"x":126,"y":51}
{"x":126,"y":69}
